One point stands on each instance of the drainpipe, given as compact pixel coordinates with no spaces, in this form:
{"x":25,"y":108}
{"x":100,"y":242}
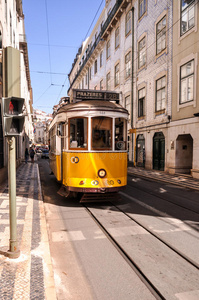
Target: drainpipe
{"x":132,"y":85}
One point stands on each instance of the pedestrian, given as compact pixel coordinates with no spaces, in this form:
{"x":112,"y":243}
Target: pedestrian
{"x":26,"y":155}
{"x":32,"y":154}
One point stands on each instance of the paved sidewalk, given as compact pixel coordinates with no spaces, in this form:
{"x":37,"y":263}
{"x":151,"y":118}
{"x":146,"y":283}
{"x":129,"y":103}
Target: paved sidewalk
{"x":31,"y":275}
{"x":177,"y":179}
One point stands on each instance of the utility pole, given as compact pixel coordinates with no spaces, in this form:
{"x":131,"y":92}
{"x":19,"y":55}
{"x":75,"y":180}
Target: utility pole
{"x":13,"y":251}
{"x":13,"y":122}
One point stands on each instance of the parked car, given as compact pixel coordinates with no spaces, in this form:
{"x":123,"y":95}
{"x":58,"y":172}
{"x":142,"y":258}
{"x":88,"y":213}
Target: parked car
{"x":45,"y":153}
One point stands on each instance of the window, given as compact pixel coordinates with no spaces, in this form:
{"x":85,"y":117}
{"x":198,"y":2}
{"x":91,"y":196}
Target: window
{"x":127,"y":103}
{"x":142,"y":53}
{"x":128,"y":65}
{"x":82,"y":83}
{"x":117,"y":74}
{"x":101,"y":133}
{"x":101,"y":84}
{"x":86,"y":79}
{"x":117,"y":38}
{"x":187,"y":15}
{"x":120,"y":134}
{"x":141,"y":102}
{"x":128,"y":23}
{"x":90,"y":73}
{"x":142,"y":7}
{"x":108,"y":46}
{"x":161,"y":36}
{"x":161,"y":94}
{"x":101,"y":59}
{"x":78,"y":133}
{"x":95,"y":66}
{"x":186,"y":82}
{"x":108,"y":81}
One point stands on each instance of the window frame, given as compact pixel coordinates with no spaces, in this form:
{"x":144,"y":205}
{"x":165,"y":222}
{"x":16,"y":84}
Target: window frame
{"x":128,"y":23}
{"x":108,"y":81}
{"x":162,"y":34}
{"x":108,"y":49}
{"x":185,"y":11}
{"x":127,"y":65}
{"x":69,"y":131}
{"x":117,"y":74}
{"x":117,"y":37}
{"x":162,"y":110}
{"x":95,"y":66}
{"x":141,"y":99}
{"x":188,"y":76}
{"x":140,"y":13}
{"x":101,"y":59}
{"x":111,"y":135}
{"x":140,"y":66}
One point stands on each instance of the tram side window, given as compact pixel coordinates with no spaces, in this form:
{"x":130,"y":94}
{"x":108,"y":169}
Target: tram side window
{"x":53,"y":139}
{"x":120,"y":134}
{"x":78,"y":128}
{"x":101,"y":133}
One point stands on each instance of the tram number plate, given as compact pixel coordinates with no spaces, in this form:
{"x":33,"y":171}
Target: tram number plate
{"x":102,"y":112}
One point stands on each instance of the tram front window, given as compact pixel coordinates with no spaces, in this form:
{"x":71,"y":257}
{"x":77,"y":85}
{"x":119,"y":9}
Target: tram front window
{"x":101,"y":133}
{"x":78,"y":133}
{"x":120,"y":134}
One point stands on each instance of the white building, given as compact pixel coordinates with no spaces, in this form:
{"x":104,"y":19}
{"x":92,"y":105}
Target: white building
{"x":104,"y":61}
{"x":152,"y":83}
{"x":147,"y":50}
{"x":14,"y":75}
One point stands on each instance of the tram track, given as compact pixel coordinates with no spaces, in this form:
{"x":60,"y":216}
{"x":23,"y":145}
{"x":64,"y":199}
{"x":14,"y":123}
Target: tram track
{"x":127,"y":256}
{"x":157,"y":294}
{"x":194,"y":264}
{"x":161,"y":197}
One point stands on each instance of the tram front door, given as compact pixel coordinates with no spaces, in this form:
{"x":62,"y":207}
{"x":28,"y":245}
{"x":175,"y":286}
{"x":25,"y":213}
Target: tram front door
{"x":158,"y":151}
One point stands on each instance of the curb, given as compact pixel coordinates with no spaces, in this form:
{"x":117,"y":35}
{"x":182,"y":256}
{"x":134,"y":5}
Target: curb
{"x":50,"y":292}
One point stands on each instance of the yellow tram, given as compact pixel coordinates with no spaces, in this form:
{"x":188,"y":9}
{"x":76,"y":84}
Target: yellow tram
{"x":88,"y":143}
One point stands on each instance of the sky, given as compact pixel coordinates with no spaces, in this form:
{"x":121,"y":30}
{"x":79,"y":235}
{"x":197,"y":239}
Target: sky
{"x":54,"y":31}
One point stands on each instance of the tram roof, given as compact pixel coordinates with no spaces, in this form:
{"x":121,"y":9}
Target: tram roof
{"x":92,"y":105}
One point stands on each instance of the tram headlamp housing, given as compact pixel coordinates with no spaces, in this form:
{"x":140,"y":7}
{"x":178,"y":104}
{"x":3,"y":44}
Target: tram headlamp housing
{"x":101,"y":173}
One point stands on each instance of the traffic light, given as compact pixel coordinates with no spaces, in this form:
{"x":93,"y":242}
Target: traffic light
{"x":12,"y":115}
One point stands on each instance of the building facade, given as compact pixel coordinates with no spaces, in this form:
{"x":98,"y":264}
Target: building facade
{"x":183,"y":136}
{"x":14,"y":76}
{"x":104,"y":61}
{"x":148,"y":51}
{"x":153,"y":82}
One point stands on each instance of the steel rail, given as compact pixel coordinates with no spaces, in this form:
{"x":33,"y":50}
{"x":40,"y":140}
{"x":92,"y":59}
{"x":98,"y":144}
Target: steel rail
{"x":156,"y":293}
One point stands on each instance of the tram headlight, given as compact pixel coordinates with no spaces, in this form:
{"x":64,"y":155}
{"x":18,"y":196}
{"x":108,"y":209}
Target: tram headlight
{"x":101,"y":173}
{"x":81,"y":182}
{"x":119,"y":181}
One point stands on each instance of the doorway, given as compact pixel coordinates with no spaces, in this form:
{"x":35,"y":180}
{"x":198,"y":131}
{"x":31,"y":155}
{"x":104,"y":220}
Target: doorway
{"x":158,"y":151}
{"x":140,"y":151}
{"x":184,"y":153}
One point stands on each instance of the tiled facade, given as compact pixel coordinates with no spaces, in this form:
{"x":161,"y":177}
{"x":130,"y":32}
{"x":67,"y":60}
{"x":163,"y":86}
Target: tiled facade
{"x":163,"y":133}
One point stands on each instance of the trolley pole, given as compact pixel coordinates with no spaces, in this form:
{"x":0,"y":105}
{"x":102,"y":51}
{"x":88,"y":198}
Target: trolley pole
{"x":13,"y":251}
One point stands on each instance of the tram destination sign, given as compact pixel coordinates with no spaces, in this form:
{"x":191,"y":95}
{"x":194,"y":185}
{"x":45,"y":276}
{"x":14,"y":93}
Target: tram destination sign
{"x":95,"y":95}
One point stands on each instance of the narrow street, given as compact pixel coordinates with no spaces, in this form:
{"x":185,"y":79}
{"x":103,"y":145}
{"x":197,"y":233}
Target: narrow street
{"x":142,"y":246}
